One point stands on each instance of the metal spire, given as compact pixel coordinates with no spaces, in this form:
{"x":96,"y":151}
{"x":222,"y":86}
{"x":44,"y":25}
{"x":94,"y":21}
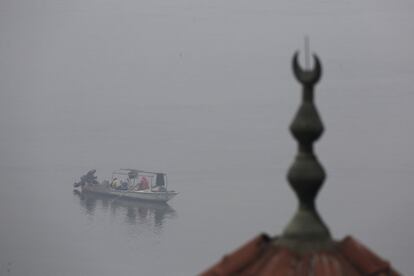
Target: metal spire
{"x":306,"y":230}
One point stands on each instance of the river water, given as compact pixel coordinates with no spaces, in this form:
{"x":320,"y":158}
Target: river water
{"x":203,"y":92}
{"x":229,"y":169}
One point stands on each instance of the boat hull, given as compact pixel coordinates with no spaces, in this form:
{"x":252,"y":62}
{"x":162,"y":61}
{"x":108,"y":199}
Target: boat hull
{"x":138,"y":195}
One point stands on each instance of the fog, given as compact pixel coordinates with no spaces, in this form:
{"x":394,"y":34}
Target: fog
{"x":203,"y":91}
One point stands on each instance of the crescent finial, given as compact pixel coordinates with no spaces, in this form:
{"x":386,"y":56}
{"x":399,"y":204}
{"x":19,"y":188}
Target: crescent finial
{"x":307,"y":77}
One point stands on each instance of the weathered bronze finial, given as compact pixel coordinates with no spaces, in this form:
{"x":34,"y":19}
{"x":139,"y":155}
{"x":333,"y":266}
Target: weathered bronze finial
{"x":306,"y":230}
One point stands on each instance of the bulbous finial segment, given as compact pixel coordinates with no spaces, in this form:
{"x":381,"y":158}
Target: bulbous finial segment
{"x":307,"y":77}
{"x":306,"y":175}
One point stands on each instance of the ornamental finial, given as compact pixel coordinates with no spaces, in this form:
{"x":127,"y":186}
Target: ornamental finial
{"x":306,"y":230}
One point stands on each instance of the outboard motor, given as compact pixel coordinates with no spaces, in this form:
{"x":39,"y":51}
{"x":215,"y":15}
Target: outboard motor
{"x":89,"y":177}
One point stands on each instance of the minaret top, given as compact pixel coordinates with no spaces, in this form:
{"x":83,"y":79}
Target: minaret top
{"x":306,"y":230}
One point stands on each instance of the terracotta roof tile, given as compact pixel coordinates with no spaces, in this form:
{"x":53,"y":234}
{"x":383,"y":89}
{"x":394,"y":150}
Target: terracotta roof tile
{"x":364,"y":259}
{"x":241,"y":258}
{"x":283,"y":262}
{"x":261,"y":256}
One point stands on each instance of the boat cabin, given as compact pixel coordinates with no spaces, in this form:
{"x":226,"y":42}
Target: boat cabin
{"x":138,"y":180}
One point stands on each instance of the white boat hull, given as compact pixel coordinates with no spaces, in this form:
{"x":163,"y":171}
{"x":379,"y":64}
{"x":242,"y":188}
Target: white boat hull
{"x":139,"y":195}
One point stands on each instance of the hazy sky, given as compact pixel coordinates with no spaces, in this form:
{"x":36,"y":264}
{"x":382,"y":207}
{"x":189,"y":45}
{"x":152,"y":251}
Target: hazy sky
{"x":65,"y":61}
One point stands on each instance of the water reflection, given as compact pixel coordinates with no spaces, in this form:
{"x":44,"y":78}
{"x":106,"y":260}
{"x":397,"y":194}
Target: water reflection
{"x":136,"y":212}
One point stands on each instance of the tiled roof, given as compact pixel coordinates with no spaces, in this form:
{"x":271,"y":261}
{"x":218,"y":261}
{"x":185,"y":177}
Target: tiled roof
{"x":262,"y":256}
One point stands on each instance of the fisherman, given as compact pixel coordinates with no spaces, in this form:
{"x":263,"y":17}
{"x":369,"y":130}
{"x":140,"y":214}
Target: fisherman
{"x":115,"y":183}
{"x":159,"y":183}
{"x":124,"y":185}
{"x":143,"y":184}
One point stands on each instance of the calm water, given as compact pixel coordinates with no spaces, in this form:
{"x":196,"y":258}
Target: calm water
{"x":203,"y":91}
{"x":229,"y":169}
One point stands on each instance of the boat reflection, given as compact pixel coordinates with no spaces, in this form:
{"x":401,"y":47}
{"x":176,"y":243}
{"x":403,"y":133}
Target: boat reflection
{"x":136,"y":212}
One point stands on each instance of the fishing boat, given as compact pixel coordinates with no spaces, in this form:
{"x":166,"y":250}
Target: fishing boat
{"x":129,"y":183}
